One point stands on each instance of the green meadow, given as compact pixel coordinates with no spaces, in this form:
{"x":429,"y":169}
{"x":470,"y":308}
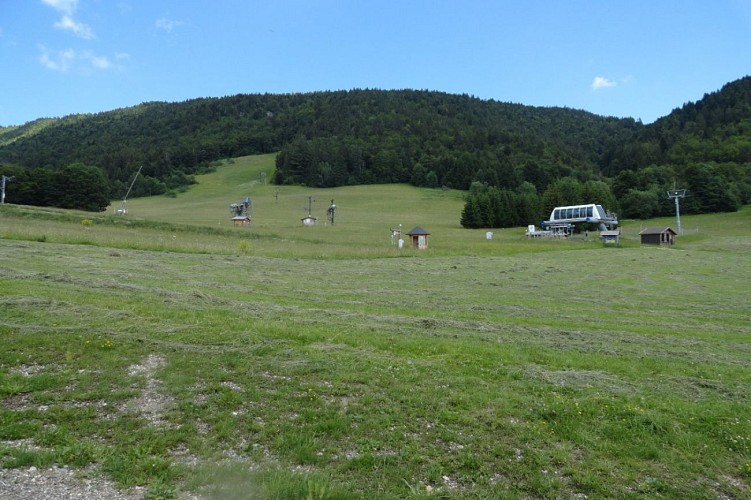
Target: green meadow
{"x":179,"y":356}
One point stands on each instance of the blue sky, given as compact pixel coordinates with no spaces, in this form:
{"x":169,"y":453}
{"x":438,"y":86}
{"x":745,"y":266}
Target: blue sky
{"x":626,"y":58}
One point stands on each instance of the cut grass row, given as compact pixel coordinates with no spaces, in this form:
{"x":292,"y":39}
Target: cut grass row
{"x":418,"y":389}
{"x":477,"y":369}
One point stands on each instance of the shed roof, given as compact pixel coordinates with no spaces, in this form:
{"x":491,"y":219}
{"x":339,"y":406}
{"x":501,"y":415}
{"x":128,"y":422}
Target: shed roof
{"x":417,"y":231}
{"x":657,"y":230}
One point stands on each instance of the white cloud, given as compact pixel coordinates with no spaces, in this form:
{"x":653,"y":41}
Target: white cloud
{"x":99,"y":62}
{"x":69,"y":59}
{"x":102,"y":62}
{"x":83,"y":62}
{"x":67,"y":7}
{"x":168,"y":24}
{"x":600,"y":82}
{"x":81,"y":30}
{"x":60,"y":61}
{"x":66,"y":22}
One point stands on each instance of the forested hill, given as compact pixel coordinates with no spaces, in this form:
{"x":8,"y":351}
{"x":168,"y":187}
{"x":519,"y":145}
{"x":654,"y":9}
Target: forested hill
{"x":426,"y":138}
{"x":716,"y":128}
{"x":435,"y":139}
{"x":704,"y":146}
{"x":376,"y":136}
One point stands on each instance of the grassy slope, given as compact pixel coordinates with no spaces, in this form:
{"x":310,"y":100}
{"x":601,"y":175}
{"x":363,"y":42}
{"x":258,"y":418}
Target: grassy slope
{"x":480,"y":369}
{"x":363,"y":221}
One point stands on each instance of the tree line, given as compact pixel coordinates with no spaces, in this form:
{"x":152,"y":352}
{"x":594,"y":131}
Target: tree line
{"x":76,"y":186}
{"x":491,"y":207}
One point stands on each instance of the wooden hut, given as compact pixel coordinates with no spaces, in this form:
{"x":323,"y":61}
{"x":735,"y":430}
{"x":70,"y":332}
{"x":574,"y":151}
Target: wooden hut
{"x":241,"y":220}
{"x":658,"y":236}
{"x":418,"y":238}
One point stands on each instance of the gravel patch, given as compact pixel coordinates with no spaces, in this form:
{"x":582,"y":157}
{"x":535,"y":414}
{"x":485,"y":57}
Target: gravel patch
{"x":60,"y":484}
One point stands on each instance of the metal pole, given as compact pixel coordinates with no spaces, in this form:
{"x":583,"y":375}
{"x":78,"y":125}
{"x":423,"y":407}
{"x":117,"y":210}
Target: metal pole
{"x":677,"y":194}
{"x":132,"y":183}
{"x":4,"y":179}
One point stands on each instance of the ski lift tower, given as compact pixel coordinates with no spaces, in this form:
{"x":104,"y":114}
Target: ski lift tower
{"x":123,"y":208}
{"x":5,"y":179}
{"x":241,"y":212}
{"x":677,"y":194}
{"x":330,"y":212}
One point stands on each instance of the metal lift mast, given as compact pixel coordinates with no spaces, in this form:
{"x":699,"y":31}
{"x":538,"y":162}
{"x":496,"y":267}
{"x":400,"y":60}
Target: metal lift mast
{"x":122,"y":210}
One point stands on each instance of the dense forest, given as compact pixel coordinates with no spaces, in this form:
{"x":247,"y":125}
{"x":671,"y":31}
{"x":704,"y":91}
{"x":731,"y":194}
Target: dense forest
{"x":509,"y":157}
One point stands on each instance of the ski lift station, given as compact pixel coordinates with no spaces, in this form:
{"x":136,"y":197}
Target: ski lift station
{"x":241,"y":212}
{"x":562,"y":220}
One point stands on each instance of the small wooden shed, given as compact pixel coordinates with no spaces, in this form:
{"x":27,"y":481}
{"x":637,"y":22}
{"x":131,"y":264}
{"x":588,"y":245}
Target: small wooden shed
{"x":658,"y":236}
{"x":241,"y":220}
{"x":418,"y":238}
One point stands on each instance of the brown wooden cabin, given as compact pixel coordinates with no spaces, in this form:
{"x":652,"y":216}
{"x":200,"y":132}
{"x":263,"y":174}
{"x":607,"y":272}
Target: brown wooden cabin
{"x":658,"y":236}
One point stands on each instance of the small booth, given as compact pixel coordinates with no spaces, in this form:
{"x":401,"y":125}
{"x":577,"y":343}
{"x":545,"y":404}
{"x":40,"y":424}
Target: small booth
{"x":418,"y":238}
{"x":241,"y":220}
{"x":610,"y":236}
{"x":309,"y":220}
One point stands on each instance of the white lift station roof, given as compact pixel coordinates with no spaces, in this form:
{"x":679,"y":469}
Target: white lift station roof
{"x":590,"y":213}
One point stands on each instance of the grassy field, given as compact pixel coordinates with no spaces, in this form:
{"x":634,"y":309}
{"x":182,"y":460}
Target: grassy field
{"x":169,"y":350}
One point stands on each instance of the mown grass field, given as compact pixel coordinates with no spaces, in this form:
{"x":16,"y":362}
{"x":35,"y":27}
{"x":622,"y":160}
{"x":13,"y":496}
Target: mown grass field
{"x":168,"y":350}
